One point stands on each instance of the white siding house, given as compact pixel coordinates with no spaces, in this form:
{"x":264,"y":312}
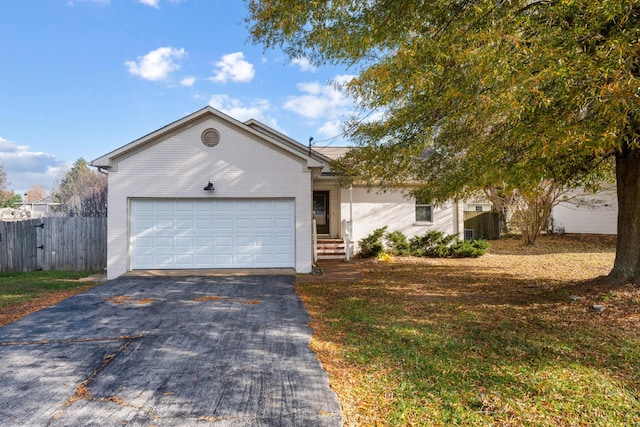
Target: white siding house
{"x":208,"y":191}
{"x":586,"y":213}
{"x":371,"y":209}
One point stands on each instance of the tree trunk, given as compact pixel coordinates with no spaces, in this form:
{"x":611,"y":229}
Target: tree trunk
{"x":627,"y":263}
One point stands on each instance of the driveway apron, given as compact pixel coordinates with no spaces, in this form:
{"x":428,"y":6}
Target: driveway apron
{"x":167,"y":351}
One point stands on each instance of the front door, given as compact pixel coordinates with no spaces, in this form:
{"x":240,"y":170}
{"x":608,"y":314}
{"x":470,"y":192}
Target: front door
{"x":321,"y":211}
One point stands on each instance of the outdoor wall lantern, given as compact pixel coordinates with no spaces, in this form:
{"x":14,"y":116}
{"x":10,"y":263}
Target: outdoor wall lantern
{"x":209,"y":187}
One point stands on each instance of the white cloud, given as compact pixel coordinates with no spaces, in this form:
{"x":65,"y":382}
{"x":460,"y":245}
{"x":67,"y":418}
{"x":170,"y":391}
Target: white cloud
{"x":188,"y":81}
{"x":325,"y":105}
{"x":331,"y":129}
{"x":321,"y":101}
{"x":152,"y":3}
{"x":256,"y":109}
{"x":233,"y":67}
{"x":158,"y":64}
{"x":304,"y":64}
{"x":25,"y":167}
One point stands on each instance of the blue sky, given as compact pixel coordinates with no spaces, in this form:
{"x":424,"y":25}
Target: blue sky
{"x":80,"y":78}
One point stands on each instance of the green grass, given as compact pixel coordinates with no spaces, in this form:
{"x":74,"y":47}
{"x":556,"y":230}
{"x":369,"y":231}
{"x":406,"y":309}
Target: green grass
{"x":409,"y":345}
{"x":18,"y":288}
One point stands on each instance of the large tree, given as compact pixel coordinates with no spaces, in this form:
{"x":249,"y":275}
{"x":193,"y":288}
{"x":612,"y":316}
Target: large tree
{"x":82,"y":191}
{"x":470,"y":93}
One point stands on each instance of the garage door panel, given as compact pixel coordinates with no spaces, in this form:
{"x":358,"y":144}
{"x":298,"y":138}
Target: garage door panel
{"x":283,"y":258}
{"x":163,"y":242}
{"x":204,"y":242}
{"x":184,"y":260}
{"x":244,"y":206}
{"x":224,"y":260}
{"x":164,"y":260}
{"x":164,"y":224}
{"x":283,"y":241}
{"x":184,"y":224}
{"x":204,"y":224}
{"x":283,"y":206}
{"x":244,"y":242}
{"x":244,"y":259}
{"x":282,"y":223}
{"x":185,"y":242}
{"x":263,"y":223}
{"x":145,"y":242}
{"x":265,"y":242}
{"x":166,"y":206}
{"x":182,"y":206}
{"x":224,"y":224}
{"x":223,"y":206}
{"x":143,"y":206}
{"x":243,"y":224}
{"x":212,"y":234}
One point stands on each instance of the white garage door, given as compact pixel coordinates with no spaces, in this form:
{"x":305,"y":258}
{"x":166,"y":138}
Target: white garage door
{"x":182,"y":234}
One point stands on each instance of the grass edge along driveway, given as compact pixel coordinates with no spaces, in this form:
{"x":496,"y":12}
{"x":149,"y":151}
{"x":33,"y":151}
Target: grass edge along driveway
{"x":25,"y":293}
{"x":495,"y":340}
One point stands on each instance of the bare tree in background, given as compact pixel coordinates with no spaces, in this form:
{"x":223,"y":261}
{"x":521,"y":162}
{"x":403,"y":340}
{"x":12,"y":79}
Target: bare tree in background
{"x":36,"y":193}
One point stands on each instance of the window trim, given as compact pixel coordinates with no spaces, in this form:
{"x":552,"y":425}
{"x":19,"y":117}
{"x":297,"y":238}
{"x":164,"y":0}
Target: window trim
{"x":415,"y":213}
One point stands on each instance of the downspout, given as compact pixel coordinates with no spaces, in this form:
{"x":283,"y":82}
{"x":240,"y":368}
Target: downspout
{"x":351,"y":203}
{"x":350,"y":227}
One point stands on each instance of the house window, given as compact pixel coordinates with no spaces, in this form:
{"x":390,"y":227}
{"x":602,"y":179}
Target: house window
{"x":424,"y":211}
{"x":478,"y":208}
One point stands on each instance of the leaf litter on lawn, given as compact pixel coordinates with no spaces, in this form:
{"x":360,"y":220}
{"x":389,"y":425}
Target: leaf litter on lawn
{"x":491,"y":340}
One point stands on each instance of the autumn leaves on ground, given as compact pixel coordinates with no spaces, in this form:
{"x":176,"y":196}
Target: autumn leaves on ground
{"x":499,"y":340}
{"x":509,"y":338}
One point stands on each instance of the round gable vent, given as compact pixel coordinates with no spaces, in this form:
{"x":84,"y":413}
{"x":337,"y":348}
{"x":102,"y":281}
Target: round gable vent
{"x":210,"y":137}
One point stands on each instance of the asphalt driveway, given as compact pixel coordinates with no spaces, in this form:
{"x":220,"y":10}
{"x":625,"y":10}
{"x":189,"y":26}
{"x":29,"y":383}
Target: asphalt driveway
{"x":167,"y":351}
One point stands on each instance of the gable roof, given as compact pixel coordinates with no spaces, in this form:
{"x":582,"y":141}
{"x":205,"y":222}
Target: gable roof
{"x":261,"y":127}
{"x":271,"y":136}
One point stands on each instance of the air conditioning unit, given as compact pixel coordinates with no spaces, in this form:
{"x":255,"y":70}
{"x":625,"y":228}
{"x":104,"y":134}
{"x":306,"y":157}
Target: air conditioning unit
{"x":469,"y":234}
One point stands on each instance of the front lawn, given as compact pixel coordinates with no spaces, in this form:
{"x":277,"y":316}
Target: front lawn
{"x":489,"y":341}
{"x":24,"y":293}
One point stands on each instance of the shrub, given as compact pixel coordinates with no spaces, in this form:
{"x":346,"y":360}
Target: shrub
{"x":371,"y":246}
{"x":435,"y":244}
{"x":469,"y":249}
{"x":397,"y":243}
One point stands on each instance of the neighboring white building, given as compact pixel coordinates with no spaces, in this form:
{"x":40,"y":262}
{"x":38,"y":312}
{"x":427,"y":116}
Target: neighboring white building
{"x":477,"y":206}
{"x":586,"y":213}
{"x":208,"y":191}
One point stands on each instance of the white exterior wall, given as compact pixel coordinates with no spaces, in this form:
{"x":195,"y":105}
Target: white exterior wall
{"x":179,"y":166}
{"x":587,"y":213}
{"x":373,"y":210}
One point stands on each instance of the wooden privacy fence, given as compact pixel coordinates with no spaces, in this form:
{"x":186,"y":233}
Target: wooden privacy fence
{"x":485,"y":225}
{"x":53,"y":243}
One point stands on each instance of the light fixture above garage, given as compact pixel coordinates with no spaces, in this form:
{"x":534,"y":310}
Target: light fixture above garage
{"x":209,"y":187}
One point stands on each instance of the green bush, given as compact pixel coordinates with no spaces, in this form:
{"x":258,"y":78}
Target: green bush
{"x":435,"y":244}
{"x":397,"y":243}
{"x":468,"y":249}
{"x":371,"y":246}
